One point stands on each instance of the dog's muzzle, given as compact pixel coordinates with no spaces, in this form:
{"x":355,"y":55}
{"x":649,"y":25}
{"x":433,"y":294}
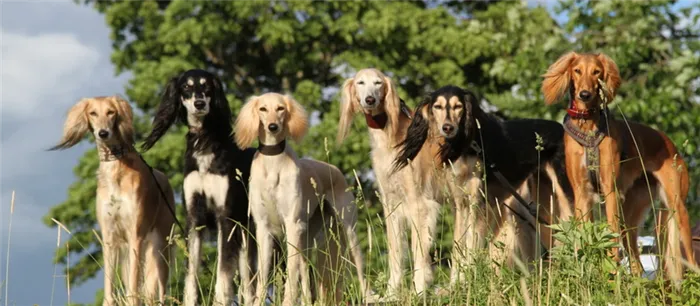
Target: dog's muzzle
{"x":103,"y":134}
{"x":369,"y":102}
{"x":200,"y":104}
{"x":448,"y":130}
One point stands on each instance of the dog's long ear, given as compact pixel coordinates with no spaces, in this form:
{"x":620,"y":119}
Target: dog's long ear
{"x":557,"y":79}
{"x":167,"y":113}
{"x":392,"y":108}
{"x":247,"y":123}
{"x":348,"y":109}
{"x":472,"y":111}
{"x":125,"y":119}
{"x":611,"y":77}
{"x":297,"y":120}
{"x":75,"y":126}
{"x":223,"y":110}
{"x":416,"y":135}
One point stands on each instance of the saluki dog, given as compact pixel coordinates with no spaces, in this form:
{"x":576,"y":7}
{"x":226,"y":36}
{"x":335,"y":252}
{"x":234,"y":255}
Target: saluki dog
{"x":455,"y":145}
{"x":607,"y":155}
{"x":373,"y":94}
{"x":286,"y":191}
{"x":132,"y":201}
{"x":216,"y":173}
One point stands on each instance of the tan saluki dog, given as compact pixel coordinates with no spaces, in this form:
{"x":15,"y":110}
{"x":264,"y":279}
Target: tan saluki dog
{"x":286,"y":191}
{"x":374,"y":95}
{"x":619,"y":154}
{"x":131,"y":211}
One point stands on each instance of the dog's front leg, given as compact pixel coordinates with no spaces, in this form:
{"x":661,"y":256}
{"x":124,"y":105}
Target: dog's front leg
{"x":609,"y":171}
{"x":422,"y":236}
{"x":459,"y":252}
{"x":245,"y":268}
{"x":578,"y":176}
{"x":110,"y":255}
{"x":265,"y":244}
{"x":135,"y":254}
{"x":396,"y":240}
{"x":194,"y":243}
{"x":296,"y":266}
{"x":225,"y":261}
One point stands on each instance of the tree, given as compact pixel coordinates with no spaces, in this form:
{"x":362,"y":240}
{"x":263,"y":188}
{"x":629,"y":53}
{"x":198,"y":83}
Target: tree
{"x":497,"y":49}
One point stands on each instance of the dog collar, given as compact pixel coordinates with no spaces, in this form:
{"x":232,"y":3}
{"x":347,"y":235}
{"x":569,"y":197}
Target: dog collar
{"x":272,"y":150}
{"x":111,"y":153}
{"x":575,"y":113}
{"x":376,"y":122}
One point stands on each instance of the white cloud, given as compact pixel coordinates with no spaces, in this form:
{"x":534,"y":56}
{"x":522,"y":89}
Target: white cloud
{"x":42,"y":68}
{"x":41,"y":78}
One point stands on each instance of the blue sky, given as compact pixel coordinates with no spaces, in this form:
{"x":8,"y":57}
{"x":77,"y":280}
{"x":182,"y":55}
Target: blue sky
{"x":53,"y":54}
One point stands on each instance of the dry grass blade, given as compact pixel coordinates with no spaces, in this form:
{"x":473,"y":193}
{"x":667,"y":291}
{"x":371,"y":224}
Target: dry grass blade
{"x":9,"y":235}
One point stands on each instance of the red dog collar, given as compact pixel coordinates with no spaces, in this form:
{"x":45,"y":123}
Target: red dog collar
{"x":376,"y":122}
{"x":576,"y":113}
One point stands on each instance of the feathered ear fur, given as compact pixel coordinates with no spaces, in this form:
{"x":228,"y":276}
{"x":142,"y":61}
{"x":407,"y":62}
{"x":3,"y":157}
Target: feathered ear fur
{"x":247,"y":124}
{"x":471,"y":110}
{"x":392,"y":107}
{"x":75,"y":126}
{"x":418,"y":131}
{"x":168,"y":111}
{"x":557,"y":79}
{"x":220,"y":103}
{"x":125,"y":119}
{"x":611,"y":77}
{"x":297,"y":121}
{"x":348,"y":109}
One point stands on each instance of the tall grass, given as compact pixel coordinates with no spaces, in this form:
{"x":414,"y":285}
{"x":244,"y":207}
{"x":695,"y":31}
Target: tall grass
{"x":580,"y":271}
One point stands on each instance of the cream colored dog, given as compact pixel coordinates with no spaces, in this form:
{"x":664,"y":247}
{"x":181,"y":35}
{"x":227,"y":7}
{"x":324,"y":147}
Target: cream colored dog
{"x":286,"y":192}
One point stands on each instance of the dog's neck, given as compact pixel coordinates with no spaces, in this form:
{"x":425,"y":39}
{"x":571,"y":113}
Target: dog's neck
{"x":195,"y":123}
{"x":110,"y":153}
{"x":585,"y":118}
{"x":272,"y":150}
{"x":377,"y":121}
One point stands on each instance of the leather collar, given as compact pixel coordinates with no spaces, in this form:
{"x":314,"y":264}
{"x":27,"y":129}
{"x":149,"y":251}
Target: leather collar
{"x":272,"y":150}
{"x":376,"y":122}
{"x":111,"y":153}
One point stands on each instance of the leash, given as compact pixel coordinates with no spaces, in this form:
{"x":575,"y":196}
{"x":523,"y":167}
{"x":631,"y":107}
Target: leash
{"x":165,"y":197}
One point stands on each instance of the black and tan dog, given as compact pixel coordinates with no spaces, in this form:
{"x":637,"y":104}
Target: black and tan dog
{"x":453,"y":144}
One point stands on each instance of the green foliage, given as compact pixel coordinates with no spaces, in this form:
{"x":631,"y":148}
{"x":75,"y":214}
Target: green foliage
{"x":498,"y":49}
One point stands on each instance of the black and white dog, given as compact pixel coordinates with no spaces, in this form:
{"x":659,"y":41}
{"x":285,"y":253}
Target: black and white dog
{"x":216,"y":176}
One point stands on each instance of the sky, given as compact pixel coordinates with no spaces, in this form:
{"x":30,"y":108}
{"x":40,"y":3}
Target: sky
{"x":53,"y":53}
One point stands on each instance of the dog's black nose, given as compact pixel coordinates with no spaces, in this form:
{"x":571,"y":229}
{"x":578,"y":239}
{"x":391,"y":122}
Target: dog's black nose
{"x":199,"y":104}
{"x":370,"y":100}
{"x":447,"y":128}
{"x":103,"y":134}
{"x":273,"y":127}
{"x":585,"y":95}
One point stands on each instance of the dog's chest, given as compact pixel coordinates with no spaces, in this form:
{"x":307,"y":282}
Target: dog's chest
{"x":213,"y":186}
{"x":118,"y":203}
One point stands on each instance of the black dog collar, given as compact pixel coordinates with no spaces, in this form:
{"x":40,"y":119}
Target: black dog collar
{"x":272,"y":150}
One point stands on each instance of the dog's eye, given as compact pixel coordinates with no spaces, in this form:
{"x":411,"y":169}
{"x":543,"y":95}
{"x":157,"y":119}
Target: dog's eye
{"x":378,"y":83}
{"x":262,"y":109}
{"x":110,"y":113}
{"x":457,"y":107}
{"x":361,"y":83}
{"x":279,"y":109}
{"x":578,"y":71}
{"x":94,"y":114}
{"x":596,"y":72}
{"x":436,"y":106}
